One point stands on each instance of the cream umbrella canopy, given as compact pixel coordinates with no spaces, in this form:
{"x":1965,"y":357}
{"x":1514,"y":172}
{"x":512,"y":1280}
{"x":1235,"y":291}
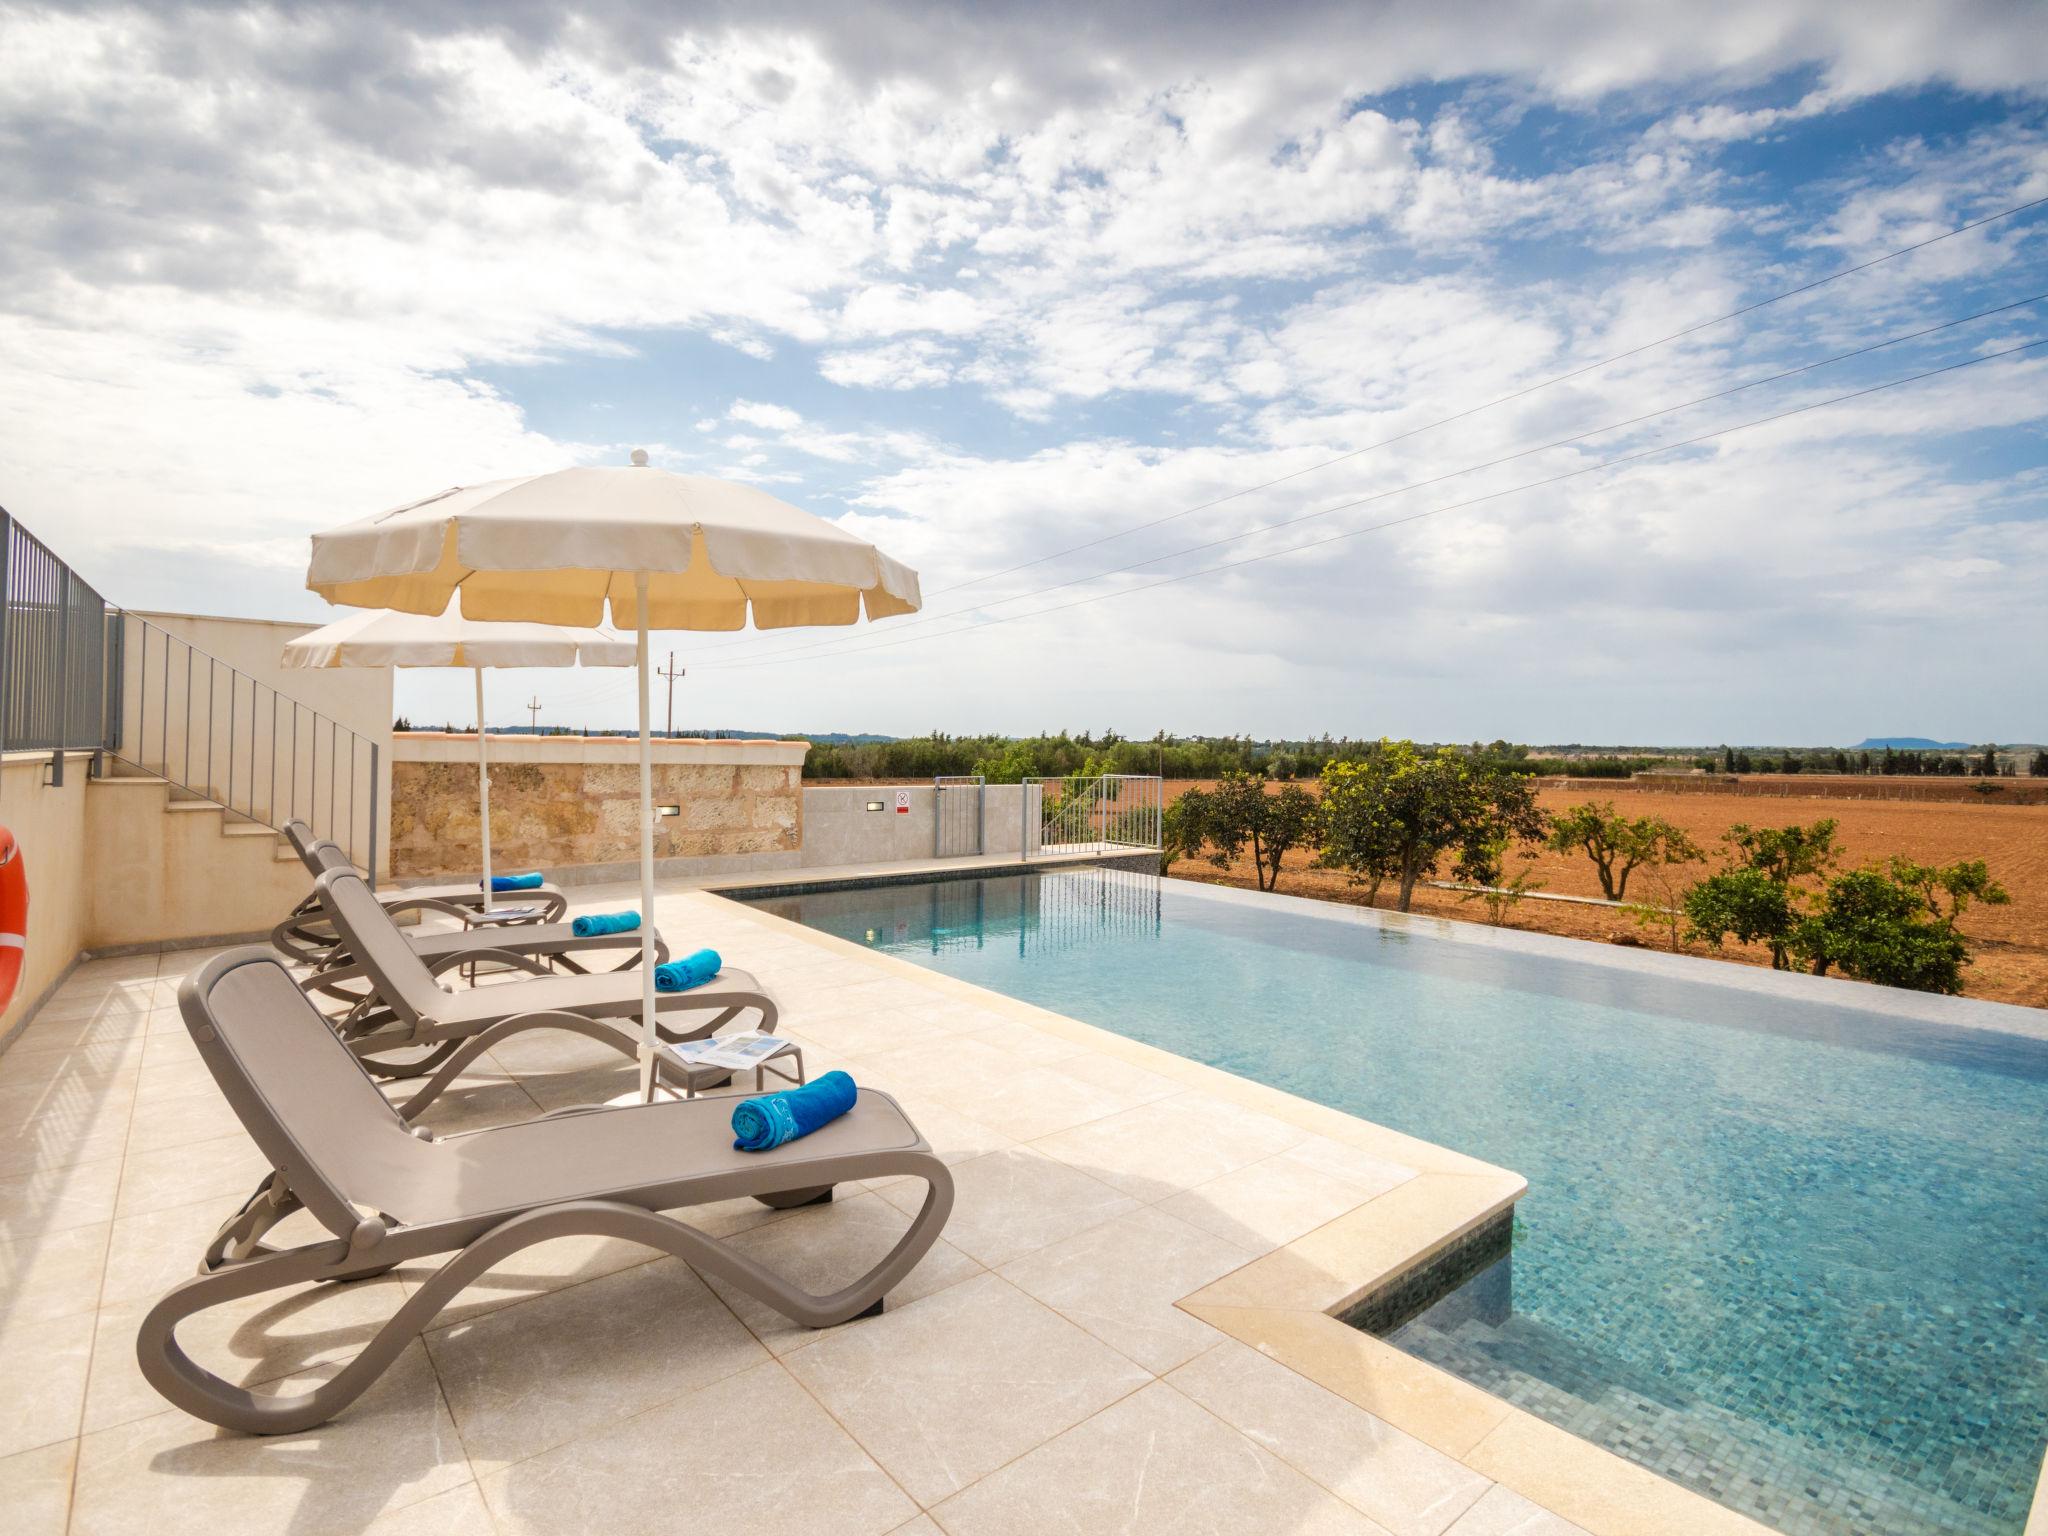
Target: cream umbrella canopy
{"x":664,"y":551}
{"x":382,"y":638}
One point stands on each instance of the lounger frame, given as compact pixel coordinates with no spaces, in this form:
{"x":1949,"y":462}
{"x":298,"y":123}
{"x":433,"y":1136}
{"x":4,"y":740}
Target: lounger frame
{"x":362,"y":1243}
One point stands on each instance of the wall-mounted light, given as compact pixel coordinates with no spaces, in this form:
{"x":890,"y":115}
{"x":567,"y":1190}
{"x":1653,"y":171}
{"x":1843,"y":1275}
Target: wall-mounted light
{"x":876,"y":805}
{"x":668,"y":810}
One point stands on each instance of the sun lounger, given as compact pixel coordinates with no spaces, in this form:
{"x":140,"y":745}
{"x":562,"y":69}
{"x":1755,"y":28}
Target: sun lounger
{"x":556,"y":945}
{"x":409,"y":1009}
{"x":307,"y":935}
{"x":390,"y":1194}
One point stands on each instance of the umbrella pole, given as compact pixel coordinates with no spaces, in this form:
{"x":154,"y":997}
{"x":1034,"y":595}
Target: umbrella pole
{"x":647,"y":1035}
{"x":483,"y":787}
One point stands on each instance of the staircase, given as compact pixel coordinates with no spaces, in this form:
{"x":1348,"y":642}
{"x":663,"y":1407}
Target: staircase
{"x":196,"y":764}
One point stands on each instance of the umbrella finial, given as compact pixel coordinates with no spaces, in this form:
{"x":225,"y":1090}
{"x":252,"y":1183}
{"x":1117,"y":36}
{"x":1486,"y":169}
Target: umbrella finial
{"x":640,"y":458}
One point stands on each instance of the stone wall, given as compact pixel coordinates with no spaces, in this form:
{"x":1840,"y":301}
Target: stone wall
{"x":572,"y":803}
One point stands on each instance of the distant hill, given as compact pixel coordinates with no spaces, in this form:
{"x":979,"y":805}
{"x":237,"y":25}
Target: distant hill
{"x":1910,"y":744}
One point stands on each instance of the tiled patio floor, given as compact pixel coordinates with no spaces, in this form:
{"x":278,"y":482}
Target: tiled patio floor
{"x":1032,"y":1375}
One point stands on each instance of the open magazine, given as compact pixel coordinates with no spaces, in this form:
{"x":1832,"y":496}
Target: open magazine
{"x":734,"y":1052}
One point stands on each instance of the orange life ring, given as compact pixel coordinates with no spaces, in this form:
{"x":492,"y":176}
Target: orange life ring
{"x":13,"y":916}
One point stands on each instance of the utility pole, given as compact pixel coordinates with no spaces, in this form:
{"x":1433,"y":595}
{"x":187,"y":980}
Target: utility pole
{"x":671,"y":672}
{"x":533,"y":714}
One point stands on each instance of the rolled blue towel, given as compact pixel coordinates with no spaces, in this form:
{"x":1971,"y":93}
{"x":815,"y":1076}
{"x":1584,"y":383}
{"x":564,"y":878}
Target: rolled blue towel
{"x":690,"y":971}
{"x":530,"y":882}
{"x":773,"y":1118}
{"x":605,"y":922}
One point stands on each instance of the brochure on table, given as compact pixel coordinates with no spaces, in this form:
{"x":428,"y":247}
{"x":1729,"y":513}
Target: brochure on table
{"x":734,"y":1052}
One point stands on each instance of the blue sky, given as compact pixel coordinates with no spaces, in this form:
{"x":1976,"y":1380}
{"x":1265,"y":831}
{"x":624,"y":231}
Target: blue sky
{"x":990,"y":288}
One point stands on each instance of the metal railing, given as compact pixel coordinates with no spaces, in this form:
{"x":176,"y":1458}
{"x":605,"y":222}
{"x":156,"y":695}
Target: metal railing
{"x":1105,"y":814}
{"x":213,"y":731}
{"x":77,"y":674}
{"x":58,"y":639}
{"x":959,"y":815}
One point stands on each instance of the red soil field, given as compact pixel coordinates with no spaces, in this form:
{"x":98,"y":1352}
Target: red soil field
{"x":2009,"y":944}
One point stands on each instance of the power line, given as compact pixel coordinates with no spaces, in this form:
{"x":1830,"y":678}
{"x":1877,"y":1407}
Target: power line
{"x":1455,"y":506}
{"x":1507,"y":399}
{"x":834,"y":643}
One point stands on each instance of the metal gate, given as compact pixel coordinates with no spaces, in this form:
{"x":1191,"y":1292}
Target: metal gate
{"x":959,"y":826}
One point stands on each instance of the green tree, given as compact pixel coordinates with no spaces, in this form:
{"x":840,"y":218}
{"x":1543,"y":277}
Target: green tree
{"x":1756,"y":898}
{"x":1617,"y":844}
{"x":1961,"y":883}
{"x":1240,"y":812}
{"x":1399,"y":812}
{"x":1875,"y":928}
{"x":1746,"y":905}
{"x":1181,"y":826}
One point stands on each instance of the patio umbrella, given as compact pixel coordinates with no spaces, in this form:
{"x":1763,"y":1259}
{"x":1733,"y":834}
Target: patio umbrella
{"x":665,"y":551}
{"x":382,"y":638}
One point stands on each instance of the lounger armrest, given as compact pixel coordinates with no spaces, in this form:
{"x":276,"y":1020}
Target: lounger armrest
{"x":624,"y":1041}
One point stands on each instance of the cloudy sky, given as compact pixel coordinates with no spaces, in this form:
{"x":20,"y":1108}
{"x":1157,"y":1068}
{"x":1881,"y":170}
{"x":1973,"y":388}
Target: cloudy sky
{"x":1059,"y":301}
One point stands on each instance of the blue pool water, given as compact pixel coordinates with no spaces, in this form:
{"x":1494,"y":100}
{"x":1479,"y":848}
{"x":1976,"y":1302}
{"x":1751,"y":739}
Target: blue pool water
{"x":1792,"y":1254}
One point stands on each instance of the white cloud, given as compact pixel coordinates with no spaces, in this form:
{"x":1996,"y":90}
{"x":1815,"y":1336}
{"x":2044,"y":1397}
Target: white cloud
{"x":267,"y":269}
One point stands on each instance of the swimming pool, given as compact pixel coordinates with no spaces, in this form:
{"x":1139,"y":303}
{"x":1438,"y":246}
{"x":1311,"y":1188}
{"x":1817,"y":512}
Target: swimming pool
{"x":1786,"y":1244}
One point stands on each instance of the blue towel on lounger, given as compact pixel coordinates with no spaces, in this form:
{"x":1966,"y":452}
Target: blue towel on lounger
{"x":530,"y":882}
{"x":605,"y":922}
{"x":690,"y":971}
{"x":768,"y":1121}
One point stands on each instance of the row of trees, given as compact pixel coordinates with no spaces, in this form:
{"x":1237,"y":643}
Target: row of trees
{"x":1398,"y":814}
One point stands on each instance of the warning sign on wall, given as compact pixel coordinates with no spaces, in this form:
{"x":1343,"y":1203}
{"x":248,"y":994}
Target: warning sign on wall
{"x":902,"y":802}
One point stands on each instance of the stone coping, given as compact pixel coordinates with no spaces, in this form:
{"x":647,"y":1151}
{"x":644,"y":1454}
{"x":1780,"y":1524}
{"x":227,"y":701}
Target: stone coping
{"x":460,"y":747}
{"x":1284,"y":1304}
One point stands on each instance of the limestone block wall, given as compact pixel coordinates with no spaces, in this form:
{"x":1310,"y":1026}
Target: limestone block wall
{"x":571,"y":803}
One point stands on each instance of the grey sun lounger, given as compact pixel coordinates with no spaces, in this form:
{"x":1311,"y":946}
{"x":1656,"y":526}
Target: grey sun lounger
{"x":389,"y":1193}
{"x":410,"y":1009}
{"x":305,"y":934}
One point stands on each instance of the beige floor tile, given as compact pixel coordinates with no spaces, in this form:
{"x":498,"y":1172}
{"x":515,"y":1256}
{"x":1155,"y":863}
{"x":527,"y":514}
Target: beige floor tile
{"x":172,"y":1079}
{"x":40,"y":1145}
{"x":52,"y":1274}
{"x":224,"y":1169}
{"x":160,"y":1050}
{"x":170,"y":1474}
{"x":58,"y":1198}
{"x":35,"y":1489}
{"x":1033,"y":1047}
{"x":42,"y":1379}
{"x":178,"y":1119}
{"x":149,"y":1253}
{"x":946,"y":1391}
{"x":525,"y":1378}
{"x":103,"y":1021}
{"x":820,"y":1248}
{"x":1265,"y":1204}
{"x":862,"y":1034}
{"x":531,"y":1272}
{"x":1375,"y":1175}
{"x":923,"y":1525}
{"x":250,"y":1342}
{"x":1120,"y":1281}
{"x":1014,"y":1202}
{"x":1160,"y":1148}
{"x":1041,"y":1101}
{"x":1132,"y":1084}
{"x":1153,"y":1462}
{"x":458,"y":1512}
{"x":751,"y":1453}
{"x":1503,"y":1512}
{"x":1406,"y":1486}
{"x":39,"y":1090}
